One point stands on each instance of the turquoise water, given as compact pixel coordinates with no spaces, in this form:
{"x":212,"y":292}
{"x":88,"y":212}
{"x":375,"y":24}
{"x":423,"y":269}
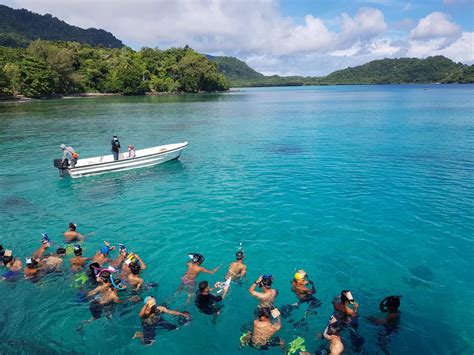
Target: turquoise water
{"x":368,"y":188}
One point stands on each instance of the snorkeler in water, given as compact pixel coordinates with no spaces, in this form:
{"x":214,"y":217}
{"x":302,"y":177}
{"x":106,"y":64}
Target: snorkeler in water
{"x":33,"y":268}
{"x":332,"y":334}
{"x":106,"y":296}
{"x":45,"y":244}
{"x":263,"y":336}
{"x":237,"y":269}
{"x":152,"y":318}
{"x":102,"y":256}
{"x":267,"y":297}
{"x":54,"y":262}
{"x":134,"y":279}
{"x":206,"y":302}
{"x":72,"y":235}
{"x":122,"y":256}
{"x":194,"y":269}
{"x":299,"y":285}
{"x":78,"y":261}
{"x":346,"y":313}
{"x":388,"y":325}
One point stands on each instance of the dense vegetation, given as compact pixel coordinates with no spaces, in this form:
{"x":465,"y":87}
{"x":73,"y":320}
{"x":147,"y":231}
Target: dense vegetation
{"x":47,"y":68}
{"x":436,"y":69}
{"x":18,"y":28}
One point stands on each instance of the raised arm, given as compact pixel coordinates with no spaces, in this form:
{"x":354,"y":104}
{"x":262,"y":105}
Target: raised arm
{"x":254,"y":285}
{"x":142,"y":264}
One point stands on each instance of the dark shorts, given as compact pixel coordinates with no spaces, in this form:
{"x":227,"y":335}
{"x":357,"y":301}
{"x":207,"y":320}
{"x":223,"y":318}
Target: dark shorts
{"x":149,"y":330}
{"x":96,"y":309}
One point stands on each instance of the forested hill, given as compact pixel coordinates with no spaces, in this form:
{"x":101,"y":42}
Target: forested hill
{"x":436,"y":69}
{"x":235,"y":69}
{"x":18,"y":28}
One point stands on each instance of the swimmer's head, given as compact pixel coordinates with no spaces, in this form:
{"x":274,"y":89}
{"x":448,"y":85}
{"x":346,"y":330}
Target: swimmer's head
{"x":390,"y":304}
{"x":61,"y":251}
{"x":105,"y":250}
{"x":267,"y":281}
{"x":31,"y":263}
{"x":196,"y":258}
{"x":346,"y":296}
{"x":300,"y":275}
{"x":7,"y":257}
{"x":72,"y":226}
{"x":135,"y":268}
{"x":105,"y":276}
{"x":77,"y":250}
{"x":122,"y":249}
{"x":239,"y":255}
{"x":62,"y":146}
{"x":264,"y":312}
{"x":94,"y":268}
{"x":203,"y":285}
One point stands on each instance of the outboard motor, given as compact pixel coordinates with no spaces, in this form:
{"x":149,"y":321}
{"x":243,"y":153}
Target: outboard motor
{"x":62,"y":166}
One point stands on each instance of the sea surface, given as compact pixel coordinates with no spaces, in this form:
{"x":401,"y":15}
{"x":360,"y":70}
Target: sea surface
{"x":367,"y":188}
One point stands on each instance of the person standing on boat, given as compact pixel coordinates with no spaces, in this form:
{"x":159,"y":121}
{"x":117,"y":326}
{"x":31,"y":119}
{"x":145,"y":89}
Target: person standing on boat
{"x":115,"y":147}
{"x":69,"y":151}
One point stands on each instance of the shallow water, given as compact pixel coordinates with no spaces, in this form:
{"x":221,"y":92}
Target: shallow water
{"x":368,"y":188}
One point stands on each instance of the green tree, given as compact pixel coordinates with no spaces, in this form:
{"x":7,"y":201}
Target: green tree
{"x":37,"y":79}
{"x":12,"y":72}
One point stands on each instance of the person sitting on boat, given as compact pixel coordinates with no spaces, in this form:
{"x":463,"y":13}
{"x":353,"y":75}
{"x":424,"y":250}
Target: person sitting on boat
{"x":131,"y":152}
{"x":72,"y":235}
{"x":69,"y":152}
{"x":115,"y":147}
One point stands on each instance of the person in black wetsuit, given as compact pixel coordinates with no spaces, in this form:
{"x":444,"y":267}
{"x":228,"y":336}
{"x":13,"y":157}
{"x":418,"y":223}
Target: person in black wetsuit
{"x":206,"y":302}
{"x":115,"y":147}
{"x":152,"y":318}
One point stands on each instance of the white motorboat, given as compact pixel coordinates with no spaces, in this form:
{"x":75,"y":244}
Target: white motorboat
{"x":106,"y":164}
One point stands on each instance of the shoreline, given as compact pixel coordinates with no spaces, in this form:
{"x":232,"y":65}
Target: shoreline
{"x":22,"y":98}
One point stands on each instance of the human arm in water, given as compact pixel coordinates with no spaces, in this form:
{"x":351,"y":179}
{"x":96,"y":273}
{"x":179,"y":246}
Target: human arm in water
{"x":212,"y":272}
{"x":142,"y":264}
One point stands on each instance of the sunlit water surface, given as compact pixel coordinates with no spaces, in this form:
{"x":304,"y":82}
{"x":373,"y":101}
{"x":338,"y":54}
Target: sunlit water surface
{"x":368,"y":188}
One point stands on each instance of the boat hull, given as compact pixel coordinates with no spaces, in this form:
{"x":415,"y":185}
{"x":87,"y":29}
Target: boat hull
{"x":163,"y":155}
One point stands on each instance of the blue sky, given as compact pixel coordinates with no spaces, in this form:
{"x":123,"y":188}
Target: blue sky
{"x":297,"y":37}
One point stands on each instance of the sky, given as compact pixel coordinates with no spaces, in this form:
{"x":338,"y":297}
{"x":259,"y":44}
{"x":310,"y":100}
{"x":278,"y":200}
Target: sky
{"x":284,"y":37}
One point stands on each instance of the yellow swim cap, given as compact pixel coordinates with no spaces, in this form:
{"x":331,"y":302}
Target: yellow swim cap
{"x":300,"y":275}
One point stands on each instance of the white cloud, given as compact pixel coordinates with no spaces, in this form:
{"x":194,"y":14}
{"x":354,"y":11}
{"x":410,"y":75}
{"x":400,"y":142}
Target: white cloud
{"x":435,"y":25}
{"x":461,"y":50}
{"x":256,"y":31}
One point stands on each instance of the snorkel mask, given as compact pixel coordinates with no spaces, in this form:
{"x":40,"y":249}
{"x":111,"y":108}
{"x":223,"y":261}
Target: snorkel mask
{"x":105,"y":250}
{"x":117,"y":283}
{"x":267,"y":281}
{"x":196,"y":258}
{"x":130,"y":259}
{"x":77,"y":250}
{"x":239,"y":255}
{"x":31,"y":262}
{"x":390,"y":304}
{"x":45,"y":240}
{"x":122,"y":249}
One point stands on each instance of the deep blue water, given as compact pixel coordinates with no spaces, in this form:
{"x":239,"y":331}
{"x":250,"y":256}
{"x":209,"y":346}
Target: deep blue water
{"x":368,"y":188}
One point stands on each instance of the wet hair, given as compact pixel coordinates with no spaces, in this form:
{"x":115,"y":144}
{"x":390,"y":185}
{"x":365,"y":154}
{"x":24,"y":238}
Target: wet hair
{"x":7,"y":260}
{"x":264,"y":312}
{"x":134,"y":268}
{"x":2,"y":252}
{"x":334,"y":328}
{"x":390,"y":304}
{"x":239,"y":255}
{"x":31,"y":262}
{"x":93,"y":267}
{"x":72,"y":226}
{"x":61,"y":251}
{"x":344,"y":298}
{"x":203,"y":285}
